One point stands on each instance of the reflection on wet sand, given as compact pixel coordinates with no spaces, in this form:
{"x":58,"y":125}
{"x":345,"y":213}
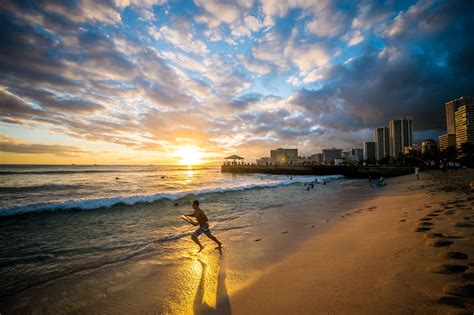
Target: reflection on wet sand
{"x":211,"y":294}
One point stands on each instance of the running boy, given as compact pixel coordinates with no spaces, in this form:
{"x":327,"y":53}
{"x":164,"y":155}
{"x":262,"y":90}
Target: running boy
{"x":203,"y":226}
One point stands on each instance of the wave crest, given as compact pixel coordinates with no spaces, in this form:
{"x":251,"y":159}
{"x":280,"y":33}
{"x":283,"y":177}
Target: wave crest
{"x":132,"y":200}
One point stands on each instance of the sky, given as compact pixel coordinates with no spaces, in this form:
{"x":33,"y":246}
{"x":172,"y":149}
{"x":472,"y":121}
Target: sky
{"x":146,"y":82}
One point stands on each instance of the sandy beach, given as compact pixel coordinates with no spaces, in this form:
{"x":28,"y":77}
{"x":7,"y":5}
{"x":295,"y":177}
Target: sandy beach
{"x":404,"y":248}
{"x":408,"y":250}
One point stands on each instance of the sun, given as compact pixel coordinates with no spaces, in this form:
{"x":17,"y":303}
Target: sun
{"x":189,"y":155}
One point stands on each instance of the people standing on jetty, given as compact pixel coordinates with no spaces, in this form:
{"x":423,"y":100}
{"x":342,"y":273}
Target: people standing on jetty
{"x":203,"y":226}
{"x":417,"y":172}
{"x":370,"y":181}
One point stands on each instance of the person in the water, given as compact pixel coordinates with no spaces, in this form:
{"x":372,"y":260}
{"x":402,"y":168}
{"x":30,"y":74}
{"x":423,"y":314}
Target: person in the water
{"x":203,"y":226}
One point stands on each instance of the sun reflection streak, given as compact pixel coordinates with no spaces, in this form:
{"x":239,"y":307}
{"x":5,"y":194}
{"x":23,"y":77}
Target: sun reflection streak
{"x":206,"y":268}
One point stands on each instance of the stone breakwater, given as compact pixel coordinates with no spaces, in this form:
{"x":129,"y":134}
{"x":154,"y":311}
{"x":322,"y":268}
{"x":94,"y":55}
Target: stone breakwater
{"x":347,"y":171}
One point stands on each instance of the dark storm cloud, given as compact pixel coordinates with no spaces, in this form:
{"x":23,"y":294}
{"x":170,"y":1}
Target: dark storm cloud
{"x":91,"y":70}
{"x":412,"y":76}
{"x":26,"y":54}
{"x":91,"y":41}
{"x":282,"y":124}
{"x":15,"y":110}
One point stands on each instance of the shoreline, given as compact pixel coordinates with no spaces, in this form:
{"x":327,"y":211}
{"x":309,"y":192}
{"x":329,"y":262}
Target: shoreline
{"x":358,"y":262}
{"x":264,"y":244}
{"x":348,"y":171}
{"x":376,"y":262}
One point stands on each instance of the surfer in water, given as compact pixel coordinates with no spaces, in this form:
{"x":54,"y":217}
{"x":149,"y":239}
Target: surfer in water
{"x":203,"y":226}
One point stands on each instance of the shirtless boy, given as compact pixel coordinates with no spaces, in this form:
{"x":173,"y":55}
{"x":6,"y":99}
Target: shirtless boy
{"x":203,"y":226}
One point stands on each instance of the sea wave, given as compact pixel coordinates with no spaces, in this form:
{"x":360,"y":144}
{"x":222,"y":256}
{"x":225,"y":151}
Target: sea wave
{"x":93,"y":171}
{"x":143,"y":249}
{"x":91,"y":204}
{"x":39,"y":188}
{"x":62,"y":172}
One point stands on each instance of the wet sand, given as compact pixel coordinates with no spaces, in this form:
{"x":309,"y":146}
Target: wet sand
{"x":405,"y":248}
{"x":408,"y":250}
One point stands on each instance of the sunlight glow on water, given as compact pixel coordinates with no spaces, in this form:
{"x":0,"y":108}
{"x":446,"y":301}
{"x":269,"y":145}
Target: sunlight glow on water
{"x":45,"y":246}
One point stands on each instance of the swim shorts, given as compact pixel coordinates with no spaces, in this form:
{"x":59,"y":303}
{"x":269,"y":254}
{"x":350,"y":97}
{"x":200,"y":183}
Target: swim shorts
{"x":203,"y":228}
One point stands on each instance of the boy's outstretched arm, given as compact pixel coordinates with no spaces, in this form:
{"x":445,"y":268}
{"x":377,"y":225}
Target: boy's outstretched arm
{"x":190,"y":215}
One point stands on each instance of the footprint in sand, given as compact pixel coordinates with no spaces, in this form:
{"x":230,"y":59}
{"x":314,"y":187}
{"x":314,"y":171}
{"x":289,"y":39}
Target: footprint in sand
{"x":424,"y":223}
{"x":468,"y":276}
{"x":422,"y":229}
{"x":451,"y":301}
{"x":467,"y":218}
{"x":313,"y":226}
{"x":285,"y":232}
{"x":447,"y":269}
{"x":433,"y":215}
{"x":403,"y":220}
{"x":425,"y":219}
{"x":437,"y":211}
{"x":449,"y":212}
{"x":438,"y":242}
{"x":464,"y":224}
{"x":454,"y":255}
{"x":258,"y":240}
{"x":460,"y":289}
{"x":432,"y":235}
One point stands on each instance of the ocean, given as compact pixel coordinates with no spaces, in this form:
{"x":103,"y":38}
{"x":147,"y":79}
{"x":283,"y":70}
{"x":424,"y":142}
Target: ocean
{"x":58,"y":221}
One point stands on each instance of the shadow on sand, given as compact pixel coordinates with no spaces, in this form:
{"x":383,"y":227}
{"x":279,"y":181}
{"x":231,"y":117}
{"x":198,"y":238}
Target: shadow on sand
{"x":212,"y":284}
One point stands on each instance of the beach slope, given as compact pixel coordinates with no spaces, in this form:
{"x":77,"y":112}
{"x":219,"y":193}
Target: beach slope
{"x":408,"y":250}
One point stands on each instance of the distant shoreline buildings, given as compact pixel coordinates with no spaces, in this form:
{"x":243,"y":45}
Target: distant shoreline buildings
{"x":392,"y":141}
{"x":382,"y":142}
{"x":283,"y":156}
{"x":459,"y":123}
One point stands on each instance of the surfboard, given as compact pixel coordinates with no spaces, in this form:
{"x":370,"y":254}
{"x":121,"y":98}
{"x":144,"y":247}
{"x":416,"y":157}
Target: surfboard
{"x":189,"y":220}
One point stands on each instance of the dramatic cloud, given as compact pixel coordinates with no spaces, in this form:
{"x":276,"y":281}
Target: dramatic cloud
{"x":247,"y":75}
{"x":12,"y":145}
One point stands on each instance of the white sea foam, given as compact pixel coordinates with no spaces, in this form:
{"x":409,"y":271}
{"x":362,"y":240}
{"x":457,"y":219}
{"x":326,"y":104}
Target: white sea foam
{"x":90,"y":204}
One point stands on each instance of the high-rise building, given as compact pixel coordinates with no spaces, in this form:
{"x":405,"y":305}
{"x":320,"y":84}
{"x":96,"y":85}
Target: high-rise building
{"x":427,"y":145}
{"x":284,"y":156}
{"x":382,"y":142}
{"x":318,"y":158}
{"x":329,"y":155}
{"x":464,"y":118}
{"x":446,"y":141}
{"x":401,"y":135}
{"x":412,"y":149}
{"x":357,"y":154}
{"x":369,"y":151}
{"x":451,"y":108}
